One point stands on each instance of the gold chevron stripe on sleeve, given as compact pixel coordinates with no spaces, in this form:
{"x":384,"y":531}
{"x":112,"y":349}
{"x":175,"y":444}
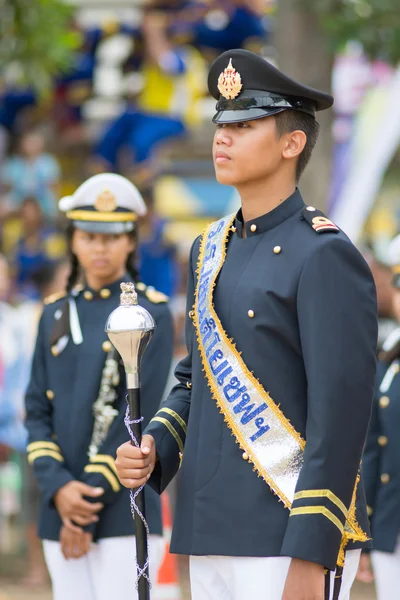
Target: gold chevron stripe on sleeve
{"x":39,"y":453}
{"x":176,"y":417}
{"x":323,"y":494}
{"x":36,"y":445}
{"x":172,"y":431}
{"x":106,"y":472}
{"x":315,"y":510}
{"x":107,"y":459}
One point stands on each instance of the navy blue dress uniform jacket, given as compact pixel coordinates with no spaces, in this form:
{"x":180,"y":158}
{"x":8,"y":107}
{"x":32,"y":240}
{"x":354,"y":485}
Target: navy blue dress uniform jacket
{"x":59,"y":405}
{"x":381,"y":460}
{"x":301,"y":308}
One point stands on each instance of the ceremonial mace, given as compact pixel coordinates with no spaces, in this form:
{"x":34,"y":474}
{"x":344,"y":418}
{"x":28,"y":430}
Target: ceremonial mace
{"x":130,"y":328}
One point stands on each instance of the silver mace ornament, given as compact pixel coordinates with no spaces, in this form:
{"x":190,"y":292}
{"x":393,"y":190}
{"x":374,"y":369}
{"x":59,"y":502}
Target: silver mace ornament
{"x":130,"y":328}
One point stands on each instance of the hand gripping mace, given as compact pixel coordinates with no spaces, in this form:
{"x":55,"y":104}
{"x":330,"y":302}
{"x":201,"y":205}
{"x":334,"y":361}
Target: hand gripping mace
{"x":130,"y":328}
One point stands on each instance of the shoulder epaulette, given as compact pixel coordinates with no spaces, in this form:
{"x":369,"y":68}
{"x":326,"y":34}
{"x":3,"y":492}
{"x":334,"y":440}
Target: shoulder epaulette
{"x":318,"y":221}
{"x":155,"y":296}
{"x":54,"y":297}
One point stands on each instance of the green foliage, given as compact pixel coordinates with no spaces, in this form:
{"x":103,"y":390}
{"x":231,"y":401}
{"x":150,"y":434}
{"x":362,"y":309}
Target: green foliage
{"x":374,"y":23}
{"x":36,"y":41}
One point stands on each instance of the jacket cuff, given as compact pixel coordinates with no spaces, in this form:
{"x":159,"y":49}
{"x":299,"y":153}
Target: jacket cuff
{"x":315,"y":529}
{"x":169,"y":453}
{"x":61,"y":479}
{"x":91,"y":528}
{"x":101,"y":472}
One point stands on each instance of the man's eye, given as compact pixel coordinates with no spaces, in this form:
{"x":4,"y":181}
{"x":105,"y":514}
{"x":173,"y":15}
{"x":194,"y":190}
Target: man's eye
{"x":242,"y":125}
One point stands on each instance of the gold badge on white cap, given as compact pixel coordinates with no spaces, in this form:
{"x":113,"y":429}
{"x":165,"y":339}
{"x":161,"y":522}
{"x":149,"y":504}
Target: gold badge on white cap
{"x":230,"y":82}
{"x":106,"y":202}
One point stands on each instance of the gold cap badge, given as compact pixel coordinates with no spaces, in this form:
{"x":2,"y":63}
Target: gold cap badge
{"x":105,"y":202}
{"x":230,"y":82}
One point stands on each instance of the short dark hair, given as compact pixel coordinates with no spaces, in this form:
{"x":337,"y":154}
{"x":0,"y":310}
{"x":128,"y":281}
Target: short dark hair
{"x":293,"y":120}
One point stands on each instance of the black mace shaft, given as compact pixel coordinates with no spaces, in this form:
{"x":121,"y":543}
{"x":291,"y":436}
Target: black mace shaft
{"x":140,"y":529}
{"x":130,"y":328}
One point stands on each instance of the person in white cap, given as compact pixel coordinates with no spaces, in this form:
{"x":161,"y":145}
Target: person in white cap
{"x":75,"y":402}
{"x":381,"y":466}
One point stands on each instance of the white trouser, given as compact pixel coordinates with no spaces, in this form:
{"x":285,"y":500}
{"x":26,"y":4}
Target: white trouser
{"x":106,"y":572}
{"x":242,"y":578}
{"x":387,"y":573}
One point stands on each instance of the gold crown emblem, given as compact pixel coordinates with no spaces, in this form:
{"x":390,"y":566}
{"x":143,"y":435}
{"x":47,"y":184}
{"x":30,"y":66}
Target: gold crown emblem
{"x":128,"y":287}
{"x":129,"y":295}
{"x":230,"y":82}
{"x":106,"y":202}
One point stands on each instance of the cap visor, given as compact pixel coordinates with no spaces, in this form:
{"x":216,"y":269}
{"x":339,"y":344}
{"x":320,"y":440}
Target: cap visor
{"x":104,"y":227}
{"x":239,"y":116}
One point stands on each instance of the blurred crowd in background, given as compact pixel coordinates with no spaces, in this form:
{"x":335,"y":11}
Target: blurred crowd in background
{"x":134,"y":101}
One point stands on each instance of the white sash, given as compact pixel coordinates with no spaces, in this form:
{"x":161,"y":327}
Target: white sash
{"x":261,"y":429}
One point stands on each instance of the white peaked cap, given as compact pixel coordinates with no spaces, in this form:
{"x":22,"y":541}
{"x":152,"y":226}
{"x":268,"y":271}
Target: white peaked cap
{"x":125,"y":194}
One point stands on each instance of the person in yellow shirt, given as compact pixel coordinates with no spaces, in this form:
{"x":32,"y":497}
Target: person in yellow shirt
{"x":173,"y":76}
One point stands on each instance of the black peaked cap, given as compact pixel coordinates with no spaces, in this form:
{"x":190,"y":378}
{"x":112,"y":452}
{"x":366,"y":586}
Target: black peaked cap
{"x":264,"y":90}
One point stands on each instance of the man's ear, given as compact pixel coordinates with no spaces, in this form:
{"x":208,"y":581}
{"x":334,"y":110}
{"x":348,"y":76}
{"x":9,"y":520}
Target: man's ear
{"x":294,"y":144}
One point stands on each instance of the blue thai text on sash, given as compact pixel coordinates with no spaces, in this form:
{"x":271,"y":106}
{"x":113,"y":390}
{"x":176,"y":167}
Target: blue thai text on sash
{"x":226,"y":375}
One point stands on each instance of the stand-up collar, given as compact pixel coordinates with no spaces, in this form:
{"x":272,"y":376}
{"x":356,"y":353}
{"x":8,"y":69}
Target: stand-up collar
{"x":273,"y":218}
{"x":107,"y":291}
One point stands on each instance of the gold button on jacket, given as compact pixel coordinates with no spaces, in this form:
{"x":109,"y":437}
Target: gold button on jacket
{"x":384,"y":401}
{"x":105,"y":293}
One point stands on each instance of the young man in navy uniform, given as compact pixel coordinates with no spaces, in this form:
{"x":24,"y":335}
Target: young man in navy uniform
{"x":269,"y":417}
{"x":75,"y":402}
